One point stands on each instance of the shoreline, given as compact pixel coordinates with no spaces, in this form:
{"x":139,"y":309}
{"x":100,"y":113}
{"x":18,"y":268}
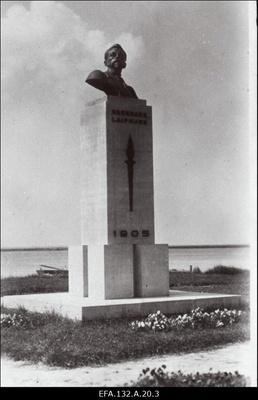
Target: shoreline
{"x":65,"y":248}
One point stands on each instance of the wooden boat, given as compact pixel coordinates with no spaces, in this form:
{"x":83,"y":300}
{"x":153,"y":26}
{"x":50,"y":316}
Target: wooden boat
{"x":53,"y":271}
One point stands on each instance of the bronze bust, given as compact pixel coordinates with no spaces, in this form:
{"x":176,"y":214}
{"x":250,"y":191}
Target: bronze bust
{"x":111,"y":81}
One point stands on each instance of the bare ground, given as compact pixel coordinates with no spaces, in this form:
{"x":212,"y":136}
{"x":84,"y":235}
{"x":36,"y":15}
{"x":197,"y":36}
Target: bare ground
{"x":237,"y":357}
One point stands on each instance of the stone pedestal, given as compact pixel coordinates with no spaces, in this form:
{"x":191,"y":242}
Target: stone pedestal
{"x":117,"y":200}
{"x":151,"y":270}
{"x":117,"y":257}
{"x":118,"y":271}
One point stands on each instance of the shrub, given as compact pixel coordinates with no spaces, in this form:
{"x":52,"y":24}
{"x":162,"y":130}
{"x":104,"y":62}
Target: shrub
{"x":159,"y":377}
{"x":221,"y":269}
{"x":196,"y":319}
{"x":197,"y":270}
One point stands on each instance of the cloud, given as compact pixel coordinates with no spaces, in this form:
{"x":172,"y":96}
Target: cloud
{"x":51,"y":40}
{"x":47,"y":53}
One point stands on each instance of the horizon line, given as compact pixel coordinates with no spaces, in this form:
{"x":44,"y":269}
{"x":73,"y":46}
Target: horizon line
{"x":62,"y":248}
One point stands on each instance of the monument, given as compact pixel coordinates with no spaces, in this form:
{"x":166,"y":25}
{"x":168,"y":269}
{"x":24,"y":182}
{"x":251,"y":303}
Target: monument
{"x":117,"y":257}
{"x":117,"y":269}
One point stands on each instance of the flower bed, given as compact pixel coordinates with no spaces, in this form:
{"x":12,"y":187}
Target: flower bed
{"x":14,"y":320}
{"x":159,"y":377}
{"x":196,"y":319}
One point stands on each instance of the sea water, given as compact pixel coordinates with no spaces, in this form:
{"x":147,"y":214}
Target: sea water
{"x":208,"y":257}
{"x":27,"y":262}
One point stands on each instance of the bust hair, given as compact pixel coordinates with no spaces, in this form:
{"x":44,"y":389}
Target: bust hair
{"x":115,"y":46}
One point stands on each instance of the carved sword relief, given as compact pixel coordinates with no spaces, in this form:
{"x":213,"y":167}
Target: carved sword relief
{"x":130,"y":163}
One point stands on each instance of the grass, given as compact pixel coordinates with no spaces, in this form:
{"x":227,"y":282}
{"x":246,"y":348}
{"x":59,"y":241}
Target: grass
{"x":223,"y":279}
{"x":213,"y":282}
{"x":33,"y":284}
{"x":59,"y":341}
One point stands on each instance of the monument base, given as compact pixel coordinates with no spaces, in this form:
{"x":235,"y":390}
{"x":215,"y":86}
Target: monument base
{"x":120,"y":271}
{"x":83,"y":309}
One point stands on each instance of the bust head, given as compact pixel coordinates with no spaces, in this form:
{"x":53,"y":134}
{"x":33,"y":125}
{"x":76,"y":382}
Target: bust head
{"x":115,"y":58}
{"x":111,"y":81}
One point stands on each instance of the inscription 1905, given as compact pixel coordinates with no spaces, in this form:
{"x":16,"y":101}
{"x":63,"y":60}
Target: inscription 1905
{"x":133,"y":233}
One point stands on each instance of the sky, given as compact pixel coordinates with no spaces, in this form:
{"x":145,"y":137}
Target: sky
{"x":189,"y":59}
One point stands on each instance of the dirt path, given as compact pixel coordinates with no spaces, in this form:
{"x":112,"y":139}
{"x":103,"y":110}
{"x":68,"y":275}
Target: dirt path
{"x":240,"y":357}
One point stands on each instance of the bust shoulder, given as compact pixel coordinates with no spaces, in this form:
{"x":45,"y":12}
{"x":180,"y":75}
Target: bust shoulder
{"x":131,"y":92}
{"x":96,"y":75}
